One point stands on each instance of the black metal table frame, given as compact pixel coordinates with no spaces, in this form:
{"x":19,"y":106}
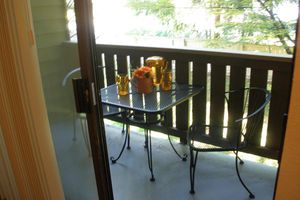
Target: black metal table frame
{"x":128,"y":116}
{"x":148,"y":141}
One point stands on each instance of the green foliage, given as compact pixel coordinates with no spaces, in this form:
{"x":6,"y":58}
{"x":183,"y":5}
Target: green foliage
{"x":260,"y":23}
{"x":236,"y":21}
{"x":162,"y":9}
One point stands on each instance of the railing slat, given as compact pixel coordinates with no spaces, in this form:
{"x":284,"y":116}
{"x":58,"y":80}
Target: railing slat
{"x":278,"y":106}
{"x":122,"y":64}
{"x":100,"y":77}
{"x":182,"y":76}
{"x":217,"y":98}
{"x":259,"y":76}
{"x":237,"y":81}
{"x":199,"y":101}
{"x":135,"y":62}
{"x":110,"y":68}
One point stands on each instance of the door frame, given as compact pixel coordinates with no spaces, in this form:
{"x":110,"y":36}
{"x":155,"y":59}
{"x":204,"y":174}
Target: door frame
{"x":86,"y":49}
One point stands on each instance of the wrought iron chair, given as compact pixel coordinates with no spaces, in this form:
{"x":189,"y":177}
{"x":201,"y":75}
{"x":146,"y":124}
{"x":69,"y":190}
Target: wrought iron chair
{"x":245,"y":112}
{"x":107,"y":112}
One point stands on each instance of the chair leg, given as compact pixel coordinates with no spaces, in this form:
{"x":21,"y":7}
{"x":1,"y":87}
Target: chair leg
{"x":123,"y":128}
{"x":74,"y":126}
{"x":128,"y":132}
{"x":112,"y":158}
{"x":146,"y":139}
{"x":149,"y":154}
{"x":251,"y":195}
{"x":193,"y":162}
{"x":85,"y":134}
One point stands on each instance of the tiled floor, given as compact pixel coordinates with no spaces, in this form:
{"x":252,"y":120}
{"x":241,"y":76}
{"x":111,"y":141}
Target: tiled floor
{"x":216,"y":178}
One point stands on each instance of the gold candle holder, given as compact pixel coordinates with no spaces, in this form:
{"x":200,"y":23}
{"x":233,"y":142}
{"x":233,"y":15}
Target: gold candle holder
{"x":166,"y":83}
{"x":122,"y":82}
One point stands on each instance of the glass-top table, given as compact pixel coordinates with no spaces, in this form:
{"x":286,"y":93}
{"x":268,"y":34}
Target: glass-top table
{"x":156,"y":102}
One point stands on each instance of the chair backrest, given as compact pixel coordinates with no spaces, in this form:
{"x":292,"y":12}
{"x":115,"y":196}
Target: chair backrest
{"x":69,"y":74}
{"x":74,"y":71}
{"x":246,"y":110}
{"x":107,"y":110}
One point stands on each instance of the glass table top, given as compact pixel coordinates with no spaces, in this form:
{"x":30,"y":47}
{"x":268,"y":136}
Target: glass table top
{"x":154,"y":102}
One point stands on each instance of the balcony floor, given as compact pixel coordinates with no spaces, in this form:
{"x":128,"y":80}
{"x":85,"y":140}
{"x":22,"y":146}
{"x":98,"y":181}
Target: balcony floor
{"x":216,"y":178}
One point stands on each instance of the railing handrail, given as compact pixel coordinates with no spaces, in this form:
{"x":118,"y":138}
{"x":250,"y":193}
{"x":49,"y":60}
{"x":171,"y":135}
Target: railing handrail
{"x":204,"y":51}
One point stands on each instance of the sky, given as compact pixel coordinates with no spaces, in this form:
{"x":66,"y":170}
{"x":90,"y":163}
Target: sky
{"x":114,"y":17}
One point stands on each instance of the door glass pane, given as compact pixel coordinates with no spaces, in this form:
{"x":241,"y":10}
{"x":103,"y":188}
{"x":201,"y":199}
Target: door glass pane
{"x":56,"y":60}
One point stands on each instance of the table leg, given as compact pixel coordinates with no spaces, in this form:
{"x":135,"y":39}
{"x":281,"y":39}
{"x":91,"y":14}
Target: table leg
{"x":126,"y":140}
{"x":146,"y":138}
{"x":149,"y":153}
{"x":128,"y":132}
{"x":182,"y":157}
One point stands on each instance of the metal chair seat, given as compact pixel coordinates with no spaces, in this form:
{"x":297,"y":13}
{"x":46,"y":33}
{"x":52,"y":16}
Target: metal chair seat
{"x":197,"y":132}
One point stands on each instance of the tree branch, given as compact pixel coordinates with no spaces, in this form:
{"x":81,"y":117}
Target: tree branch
{"x":279,"y":25}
